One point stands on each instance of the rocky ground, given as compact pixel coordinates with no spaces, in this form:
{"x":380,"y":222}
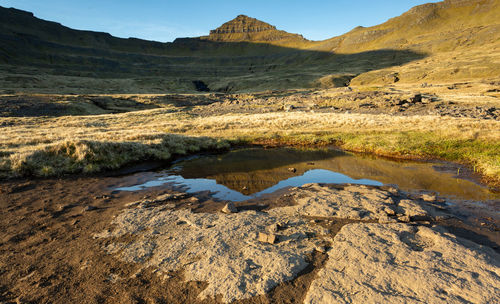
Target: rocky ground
{"x":473,"y":100}
{"x":374,"y":101}
{"x":75,"y":240}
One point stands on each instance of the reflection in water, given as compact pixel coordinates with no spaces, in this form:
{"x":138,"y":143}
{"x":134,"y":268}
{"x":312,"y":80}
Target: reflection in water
{"x":247,"y":173}
{"x":192,"y":185}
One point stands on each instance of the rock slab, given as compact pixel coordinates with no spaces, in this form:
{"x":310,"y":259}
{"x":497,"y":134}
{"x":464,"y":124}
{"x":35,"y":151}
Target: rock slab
{"x":355,"y":202}
{"x":399,"y":263}
{"x":220,"y":249}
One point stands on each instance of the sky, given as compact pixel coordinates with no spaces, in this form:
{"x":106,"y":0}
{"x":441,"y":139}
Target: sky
{"x":165,"y":20}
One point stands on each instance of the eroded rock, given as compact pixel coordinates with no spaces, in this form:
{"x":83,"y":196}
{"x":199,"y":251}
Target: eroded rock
{"x":238,"y":255}
{"x":220,"y":249}
{"x":359,"y":203}
{"x":352,"y":202}
{"x":399,"y":263}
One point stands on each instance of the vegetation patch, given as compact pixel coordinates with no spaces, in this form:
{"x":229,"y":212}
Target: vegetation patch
{"x":481,"y":155}
{"x":85,"y":156}
{"x":45,"y":146}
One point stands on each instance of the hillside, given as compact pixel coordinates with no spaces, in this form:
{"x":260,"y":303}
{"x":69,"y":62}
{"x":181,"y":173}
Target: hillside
{"x":462,"y":38}
{"x":432,"y":27}
{"x":451,"y":41}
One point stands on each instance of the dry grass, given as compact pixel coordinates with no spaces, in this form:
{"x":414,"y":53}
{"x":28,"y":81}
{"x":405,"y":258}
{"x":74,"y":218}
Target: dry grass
{"x":48,"y":146}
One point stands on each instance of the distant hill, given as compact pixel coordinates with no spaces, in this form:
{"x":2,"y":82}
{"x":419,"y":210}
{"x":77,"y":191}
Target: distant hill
{"x":449,"y":40}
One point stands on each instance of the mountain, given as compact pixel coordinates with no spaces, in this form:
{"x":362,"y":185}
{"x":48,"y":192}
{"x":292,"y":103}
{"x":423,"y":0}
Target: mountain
{"x":461,"y":40}
{"x":451,"y":40}
{"x":247,"y":29}
{"x":242,"y":55}
{"x":433,"y":27}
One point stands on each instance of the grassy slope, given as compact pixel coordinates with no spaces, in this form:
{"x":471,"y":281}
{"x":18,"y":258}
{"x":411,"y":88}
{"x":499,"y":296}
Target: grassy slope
{"x":446,"y":41}
{"x":432,"y":27}
{"x":461,"y":38}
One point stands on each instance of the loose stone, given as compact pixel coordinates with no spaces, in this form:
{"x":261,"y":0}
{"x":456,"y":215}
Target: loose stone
{"x":267,"y":238}
{"x":229,"y":208}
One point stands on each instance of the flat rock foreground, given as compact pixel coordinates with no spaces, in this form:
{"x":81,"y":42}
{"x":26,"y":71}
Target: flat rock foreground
{"x":387,"y":249}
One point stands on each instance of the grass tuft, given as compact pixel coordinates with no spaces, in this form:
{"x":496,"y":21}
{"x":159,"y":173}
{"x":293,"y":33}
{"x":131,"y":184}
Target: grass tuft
{"x":86,"y":156}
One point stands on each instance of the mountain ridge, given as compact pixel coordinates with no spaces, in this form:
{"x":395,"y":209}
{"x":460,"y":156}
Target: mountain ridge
{"x":417,"y":20}
{"x":459,"y":38}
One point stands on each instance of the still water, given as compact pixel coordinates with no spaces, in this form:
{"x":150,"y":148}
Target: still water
{"x":249,"y":173}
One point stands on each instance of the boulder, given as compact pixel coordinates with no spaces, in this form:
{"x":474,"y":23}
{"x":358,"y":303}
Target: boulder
{"x":416,"y":98}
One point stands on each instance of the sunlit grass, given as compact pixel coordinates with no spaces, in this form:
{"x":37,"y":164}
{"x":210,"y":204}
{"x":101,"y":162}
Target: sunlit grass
{"x":51,"y":146}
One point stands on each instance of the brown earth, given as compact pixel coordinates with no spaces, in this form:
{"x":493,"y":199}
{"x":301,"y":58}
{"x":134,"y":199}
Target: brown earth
{"x":48,"y":253}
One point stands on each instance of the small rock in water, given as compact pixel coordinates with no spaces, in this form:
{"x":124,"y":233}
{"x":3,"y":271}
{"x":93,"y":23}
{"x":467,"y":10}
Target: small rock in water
{"x":229,"y":208}
{"x":267,"y":238}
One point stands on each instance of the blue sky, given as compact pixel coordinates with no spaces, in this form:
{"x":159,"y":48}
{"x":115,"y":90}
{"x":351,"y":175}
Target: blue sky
{"x":166,"y":20}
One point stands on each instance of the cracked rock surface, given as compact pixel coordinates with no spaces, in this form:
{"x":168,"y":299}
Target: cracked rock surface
{"x":220,"y":249}
{"x":399,"y":263}
{"x":367,"y":262}
{"x":354,"y":202}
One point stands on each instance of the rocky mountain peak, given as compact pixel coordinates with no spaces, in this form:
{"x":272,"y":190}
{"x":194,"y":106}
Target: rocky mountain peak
{"x":244,"y":28}
{"x":243,"y":24}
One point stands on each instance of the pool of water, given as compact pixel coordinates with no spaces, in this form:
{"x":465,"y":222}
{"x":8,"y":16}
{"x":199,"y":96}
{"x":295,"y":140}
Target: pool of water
{"x":249,"y":173}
